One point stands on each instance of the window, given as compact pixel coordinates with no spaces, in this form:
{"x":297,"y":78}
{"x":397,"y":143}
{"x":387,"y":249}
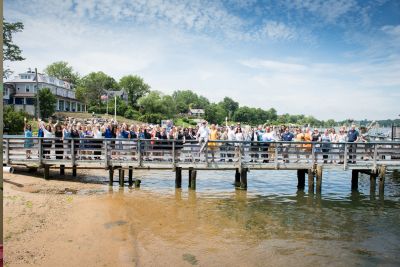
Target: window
{"x":27,"y":88}
{"x":19,"y":101}
{"x":30,"y":101}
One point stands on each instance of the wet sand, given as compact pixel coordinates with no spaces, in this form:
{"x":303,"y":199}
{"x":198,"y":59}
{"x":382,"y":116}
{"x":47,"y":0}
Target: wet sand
{"x":68,"y":223}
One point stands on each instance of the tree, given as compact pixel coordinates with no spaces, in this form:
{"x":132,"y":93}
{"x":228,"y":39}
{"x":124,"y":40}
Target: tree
{"x":135,"y":87}
{"x":215,"y":113}
{"x":47,"y":102}
{"x":93,"y":86}
{"x":187,"y":99}
{"x":11,"y":52}
{"x":13,"y":120}
{"x":62,"y":71}
{"x":230,"y":106}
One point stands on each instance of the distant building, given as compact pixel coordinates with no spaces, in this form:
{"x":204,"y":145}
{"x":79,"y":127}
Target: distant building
{"x":196,"y":112}
{"x":22,"y":89}
{"x":119,"y":93}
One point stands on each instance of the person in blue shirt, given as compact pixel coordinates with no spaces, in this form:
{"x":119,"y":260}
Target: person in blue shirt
{"x":288,"y":137}
{"x":28,"y":142}
{"x":352,"y":136}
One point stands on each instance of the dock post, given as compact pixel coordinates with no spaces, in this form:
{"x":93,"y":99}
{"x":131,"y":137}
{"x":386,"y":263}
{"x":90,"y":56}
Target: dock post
{"x":301,"y":179}
{"x":62,"y":169}
{"x":382,"y":172}
{"x":121,"y":177}
{"x":193,"y":180}
{"x":354,"y":179}
{"x":111,"y":175}
{"x":137,"y":183}
{"x":237,"y":178}
{"x":46,"y":172}
{"x":178,"y":177}
{"x":74,"y":171}
{"x":319,"y":179}
{"x":130,"y":175}
{"x":190,"y":177}
{"x":243,"y":179}
{"x":372,"y":183}
{"x":310,"y":181}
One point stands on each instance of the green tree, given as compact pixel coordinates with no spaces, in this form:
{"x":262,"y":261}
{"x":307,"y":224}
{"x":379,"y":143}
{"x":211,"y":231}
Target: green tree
{"x":157,"y":103}
{"x":135,"y":87}
{"x":230,"y":106}
{"x":47,"y":102}
{"x":187,"y":99}
{"x":62,"y":71}
{"x":215,"y":113}
{"x":13,"y":120}
{"x":93,"y":86}
{"x":11,"y":51}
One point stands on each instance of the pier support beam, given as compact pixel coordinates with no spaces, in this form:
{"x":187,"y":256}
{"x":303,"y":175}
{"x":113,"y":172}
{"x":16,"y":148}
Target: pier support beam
{"x":62,"y":169}
{"x":46,"y":172}
{"x":319,"y":179}
{"x":178,"y":177}
{"x":372,"y":183}
{"x":121,"y":177}
{"x":310,"y":181}
{"x":74,"y":171}
{"x":130,"y":175}
{"x":301,"y":179}
{"x":190,"y":177}
{"x":111,"y":176}
{"x":354,"y":179}
{"x":243,"y":179}
{"x":237,"y":178}
{"x":193,"y":180}
{"x":382,"y":173}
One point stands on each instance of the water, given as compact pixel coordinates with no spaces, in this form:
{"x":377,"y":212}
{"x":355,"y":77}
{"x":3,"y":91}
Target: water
{"x":338,"y":227}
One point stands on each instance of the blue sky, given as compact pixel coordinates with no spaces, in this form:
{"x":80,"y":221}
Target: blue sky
{"x":327,"y":58}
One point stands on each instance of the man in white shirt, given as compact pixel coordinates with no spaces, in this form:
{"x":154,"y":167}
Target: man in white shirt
{"x":202,"y":135}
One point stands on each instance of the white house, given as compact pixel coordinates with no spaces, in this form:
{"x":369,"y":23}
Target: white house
{"x":22,"y":90}
{"x":196,"y":112}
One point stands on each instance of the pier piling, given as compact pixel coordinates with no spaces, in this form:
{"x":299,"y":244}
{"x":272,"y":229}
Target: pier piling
{"x":130,"y":175}
{"x":121,"y":177}
{"x":301,"y":179}
{"x":310,"y":181}
{"x":62,"y":169}
{"x":46,"y":172}
{"x":243,"y":179}
{"x":237,"y":177}
{"x":74,"y":171}
{"x":190,"y":177}
{"x":111,"y":175}
{"x":319,"y":179}
{"x":382,"y":172}
{"x":193,"y":180}
{"x":372,"y":183}
{"x":178,"y":177}
{"x":354,"y":179}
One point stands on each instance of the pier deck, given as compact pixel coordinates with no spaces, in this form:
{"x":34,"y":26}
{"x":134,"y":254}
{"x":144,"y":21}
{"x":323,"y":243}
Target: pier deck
{"x":111,"y":154}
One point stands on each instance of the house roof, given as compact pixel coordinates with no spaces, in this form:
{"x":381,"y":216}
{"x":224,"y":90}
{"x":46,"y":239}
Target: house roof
{"x":196,"y":110}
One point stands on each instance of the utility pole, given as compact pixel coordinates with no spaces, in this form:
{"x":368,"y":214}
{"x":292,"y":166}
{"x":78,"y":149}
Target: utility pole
{"x":37,"y":96}
{"x":115,"y":109}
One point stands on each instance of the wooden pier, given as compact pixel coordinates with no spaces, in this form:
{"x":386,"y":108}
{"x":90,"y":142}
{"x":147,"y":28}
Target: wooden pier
{"x":128,"y":155}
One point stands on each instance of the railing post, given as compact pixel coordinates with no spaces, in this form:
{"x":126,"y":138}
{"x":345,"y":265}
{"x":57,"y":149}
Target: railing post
{"x":313,"y":153}
{"x":105,"y":153}
{"x":276,"y":155}
{"x":345,"y":157}
{"x":72,"y":152}
{"x":40,"y":150}
{"x":140,"y":159}
{"x":206,"y":153}
{"x":7,"y":151}
{"x":173,"y":152}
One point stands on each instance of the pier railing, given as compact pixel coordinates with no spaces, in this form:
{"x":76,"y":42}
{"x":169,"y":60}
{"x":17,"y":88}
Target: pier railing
{"x":141,"y":153}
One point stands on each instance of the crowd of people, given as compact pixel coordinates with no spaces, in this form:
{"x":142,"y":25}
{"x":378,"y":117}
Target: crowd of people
{"x":204,"y":135}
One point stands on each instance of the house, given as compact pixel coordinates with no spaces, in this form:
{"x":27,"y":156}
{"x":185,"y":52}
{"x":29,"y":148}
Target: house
{"x":196,"y":112}
{"x":21,"y":92}
{"x":120,"y":93}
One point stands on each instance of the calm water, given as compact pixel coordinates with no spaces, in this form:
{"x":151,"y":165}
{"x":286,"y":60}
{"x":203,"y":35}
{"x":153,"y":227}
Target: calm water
{"x":338,"y":227}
